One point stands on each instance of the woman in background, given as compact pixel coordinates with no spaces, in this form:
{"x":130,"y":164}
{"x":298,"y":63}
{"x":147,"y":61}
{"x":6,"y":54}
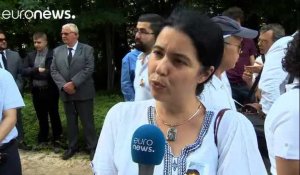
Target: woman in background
{"x":282,"y":121}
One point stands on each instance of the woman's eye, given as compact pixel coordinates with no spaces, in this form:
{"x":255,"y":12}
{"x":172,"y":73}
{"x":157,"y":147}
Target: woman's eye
{"x":179,"y":61}
{"x":157,"y":53}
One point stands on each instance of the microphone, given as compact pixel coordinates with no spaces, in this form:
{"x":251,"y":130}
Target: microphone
{"x":147,"y":148}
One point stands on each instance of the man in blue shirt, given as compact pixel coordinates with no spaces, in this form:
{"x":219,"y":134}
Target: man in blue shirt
{"x":10,"y":99}
{"x":127,"y":74}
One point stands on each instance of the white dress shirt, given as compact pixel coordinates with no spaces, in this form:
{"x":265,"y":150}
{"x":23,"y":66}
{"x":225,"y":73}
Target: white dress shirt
{"x":1,"y":62}
{"x":141,"y":82}
{"x":273,"y":74}
{"x":217,"y":94}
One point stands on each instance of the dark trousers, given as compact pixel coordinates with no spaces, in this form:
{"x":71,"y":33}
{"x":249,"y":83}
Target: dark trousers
{"x":45,"y":101}
{"x":84,"y":109}
{"x":12,"y":165}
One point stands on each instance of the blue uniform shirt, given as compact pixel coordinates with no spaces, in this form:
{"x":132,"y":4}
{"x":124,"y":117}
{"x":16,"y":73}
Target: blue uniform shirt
{"x":10,"y":97}
{"x":128,"y":74}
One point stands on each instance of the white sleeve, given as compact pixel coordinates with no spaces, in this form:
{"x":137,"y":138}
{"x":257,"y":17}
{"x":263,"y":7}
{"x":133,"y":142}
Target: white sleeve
{"x":12,"y":98}
{"x":237,"y":147}
{"x":286,"y":129}
{"x":103,"y":162}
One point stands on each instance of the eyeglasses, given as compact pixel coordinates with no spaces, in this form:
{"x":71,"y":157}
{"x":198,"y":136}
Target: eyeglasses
{"x":262,"y":41}
{"x":239,"y":47}
{"x":143,"y":32}
{"x":65,"y":33}
{"x":2,"y":39}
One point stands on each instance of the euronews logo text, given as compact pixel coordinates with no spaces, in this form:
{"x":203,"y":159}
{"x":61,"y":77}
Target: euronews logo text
{"x":37,"y":14}
{"x":144,"y":145}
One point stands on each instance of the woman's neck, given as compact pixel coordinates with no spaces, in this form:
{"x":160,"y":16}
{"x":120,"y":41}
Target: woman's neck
{"x":176,"y":111}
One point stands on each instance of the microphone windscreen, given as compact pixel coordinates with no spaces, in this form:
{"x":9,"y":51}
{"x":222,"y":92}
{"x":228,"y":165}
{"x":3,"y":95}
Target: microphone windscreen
{"x":148,"y":145}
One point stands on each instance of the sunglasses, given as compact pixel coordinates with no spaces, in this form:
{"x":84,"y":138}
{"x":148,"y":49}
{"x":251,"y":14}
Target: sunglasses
{"x":2,"y":39}
{"x":65,"y":33}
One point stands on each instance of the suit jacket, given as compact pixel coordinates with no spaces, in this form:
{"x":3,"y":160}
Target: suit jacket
{"x":79,"y":71}
{"x":33,"y":73}
{"x":14,"y":66}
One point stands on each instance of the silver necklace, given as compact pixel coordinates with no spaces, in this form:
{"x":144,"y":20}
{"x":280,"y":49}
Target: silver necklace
{"x":172,"y":130}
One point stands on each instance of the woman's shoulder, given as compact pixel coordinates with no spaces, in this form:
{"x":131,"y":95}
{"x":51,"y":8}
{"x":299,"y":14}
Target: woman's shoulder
{"x":129,"y":109}
{"x":285,"y":107}
{"x":290,"y":99}
{"x":128,"y":105}
{"x":231,"y":119}
{"x":290,"y":96}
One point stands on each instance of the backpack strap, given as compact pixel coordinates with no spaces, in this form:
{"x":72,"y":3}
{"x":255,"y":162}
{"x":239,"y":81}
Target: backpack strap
{"x":217,"y":124}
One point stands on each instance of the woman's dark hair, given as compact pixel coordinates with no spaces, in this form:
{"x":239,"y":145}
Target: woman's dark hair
{"x":206,"y":36}
{"x":291,"y":61}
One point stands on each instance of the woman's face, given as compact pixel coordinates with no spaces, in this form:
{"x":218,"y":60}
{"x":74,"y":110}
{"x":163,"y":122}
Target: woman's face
{"x":174,"y":71}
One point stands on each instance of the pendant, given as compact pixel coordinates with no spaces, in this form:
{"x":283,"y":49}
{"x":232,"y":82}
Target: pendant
{"x":171,"y":134}
{"x":192,"y":172}
{"x":142,"y":84}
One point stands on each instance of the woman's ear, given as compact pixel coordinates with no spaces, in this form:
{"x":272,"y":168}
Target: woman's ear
{"x":205,"y":73}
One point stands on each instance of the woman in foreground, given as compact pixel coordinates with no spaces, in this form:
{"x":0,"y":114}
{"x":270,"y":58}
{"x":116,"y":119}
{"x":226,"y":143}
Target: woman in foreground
{"x":186,"y":53}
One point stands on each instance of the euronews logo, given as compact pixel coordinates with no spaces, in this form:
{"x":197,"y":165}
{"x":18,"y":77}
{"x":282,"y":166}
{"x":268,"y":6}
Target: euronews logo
{"x":144,"y":145}
{"x":37,"y":14}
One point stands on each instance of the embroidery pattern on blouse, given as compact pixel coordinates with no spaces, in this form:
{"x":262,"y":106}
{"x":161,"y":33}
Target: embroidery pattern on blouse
{"x":178,"y":164}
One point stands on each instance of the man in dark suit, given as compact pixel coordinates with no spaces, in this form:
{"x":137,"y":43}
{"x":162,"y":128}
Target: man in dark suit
{"x":72,"y":68}
{"x":12,"y":62}
{"x":44,"y":91}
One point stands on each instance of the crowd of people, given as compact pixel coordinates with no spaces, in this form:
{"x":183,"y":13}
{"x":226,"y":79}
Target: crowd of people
{"x":189,"y":75}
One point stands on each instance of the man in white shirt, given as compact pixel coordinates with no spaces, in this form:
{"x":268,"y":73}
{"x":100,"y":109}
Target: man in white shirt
{"x":273,"y":75}
{"x":217,"y":92}
{"x":147,"y":29}
{"x":268,"y":35}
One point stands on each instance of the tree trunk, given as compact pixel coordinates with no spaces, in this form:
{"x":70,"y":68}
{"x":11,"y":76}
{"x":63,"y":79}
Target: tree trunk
{"x":109,"y":47}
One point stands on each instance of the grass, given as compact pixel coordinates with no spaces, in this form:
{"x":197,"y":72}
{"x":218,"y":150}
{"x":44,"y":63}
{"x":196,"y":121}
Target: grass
{"x":102,"y":103}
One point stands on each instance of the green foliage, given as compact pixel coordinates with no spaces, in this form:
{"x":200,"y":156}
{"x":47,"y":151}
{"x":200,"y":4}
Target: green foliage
{"x":106,"y":25}
{"x":103,"y":102}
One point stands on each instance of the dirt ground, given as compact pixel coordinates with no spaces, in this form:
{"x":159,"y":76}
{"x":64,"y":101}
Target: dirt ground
{"x":49,"y":163}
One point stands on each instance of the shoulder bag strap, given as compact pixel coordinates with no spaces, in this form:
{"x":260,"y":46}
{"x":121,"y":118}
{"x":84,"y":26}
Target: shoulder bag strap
{"x":291,"y":79}
{"x":263,"y":58}
{"x":217,"y":123}
{"x":252,"y":89}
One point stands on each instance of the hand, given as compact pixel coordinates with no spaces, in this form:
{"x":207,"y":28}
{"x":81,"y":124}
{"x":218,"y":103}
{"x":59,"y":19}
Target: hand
{"x":247,"y":77}
{"x":41,"y":69}
{"x":257,"y":106}
{"x":69,"y":88}
{"x":256,"y":68}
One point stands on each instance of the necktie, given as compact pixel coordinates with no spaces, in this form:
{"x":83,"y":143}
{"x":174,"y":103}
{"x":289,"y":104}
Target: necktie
{"x":4,"y":60}
{"x":70,"y":55}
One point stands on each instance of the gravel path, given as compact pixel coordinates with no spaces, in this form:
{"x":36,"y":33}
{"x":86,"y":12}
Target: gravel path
{"x":49,"y":163}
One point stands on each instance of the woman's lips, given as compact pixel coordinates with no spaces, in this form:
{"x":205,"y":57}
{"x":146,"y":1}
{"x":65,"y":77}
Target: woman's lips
{"x":158,"y":85}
